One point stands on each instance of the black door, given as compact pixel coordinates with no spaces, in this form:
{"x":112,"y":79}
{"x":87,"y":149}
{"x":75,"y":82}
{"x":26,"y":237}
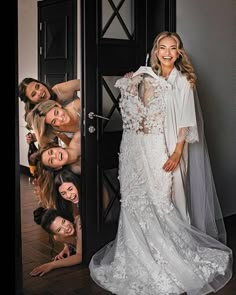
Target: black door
{"x":116,"y":38}
{"x":57,"y":40}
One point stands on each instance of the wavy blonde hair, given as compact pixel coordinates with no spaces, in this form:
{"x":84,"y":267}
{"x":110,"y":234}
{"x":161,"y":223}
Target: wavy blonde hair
{"x":44,"y":132}
{"x":182,"y":63}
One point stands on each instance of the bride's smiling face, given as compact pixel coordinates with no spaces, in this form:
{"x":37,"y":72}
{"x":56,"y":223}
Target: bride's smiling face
{"x":55,"y":157}
{"x":167,"y":51}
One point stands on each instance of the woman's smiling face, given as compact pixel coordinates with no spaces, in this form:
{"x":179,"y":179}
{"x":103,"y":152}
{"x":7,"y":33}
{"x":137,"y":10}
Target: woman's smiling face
{"x":167,"y":51}
{"x":37,"y":92}
{"x":55,"y":157}
{"x":62,"y":227}
{"x":57,"y":117}
{"x":69,"y":192}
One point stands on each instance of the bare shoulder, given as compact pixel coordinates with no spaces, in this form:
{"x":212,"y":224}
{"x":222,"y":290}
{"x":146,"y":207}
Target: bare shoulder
{"x":77,"y":103}
{"x":75,"y":167}
{"x":73,"y":84}
{"x":76,"y":136}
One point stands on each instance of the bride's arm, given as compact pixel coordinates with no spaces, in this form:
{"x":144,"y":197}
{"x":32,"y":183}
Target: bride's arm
{"x":174,"y":159}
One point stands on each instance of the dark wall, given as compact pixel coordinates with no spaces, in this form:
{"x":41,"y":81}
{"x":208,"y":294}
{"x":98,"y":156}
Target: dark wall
{"x":207,"y":29}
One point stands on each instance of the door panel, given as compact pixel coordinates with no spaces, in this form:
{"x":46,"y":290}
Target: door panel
{"x":57,"y":40}
{"x":114,"y":43}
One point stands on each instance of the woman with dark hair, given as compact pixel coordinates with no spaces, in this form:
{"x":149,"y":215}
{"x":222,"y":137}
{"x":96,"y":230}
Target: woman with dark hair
{"x":67,"y":192}
{"x":62,"y":230}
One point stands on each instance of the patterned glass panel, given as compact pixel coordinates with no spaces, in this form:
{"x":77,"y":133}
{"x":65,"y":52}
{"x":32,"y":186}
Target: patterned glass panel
{"x":115,"y":123}
{"x":118,"y":19}
{"x":111,"y":195}
{"x":110,"y":97}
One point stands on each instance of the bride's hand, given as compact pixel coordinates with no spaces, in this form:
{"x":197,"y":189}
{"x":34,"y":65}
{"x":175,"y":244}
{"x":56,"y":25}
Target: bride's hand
{"x":128,"y":75}
{"x":172,"y":162}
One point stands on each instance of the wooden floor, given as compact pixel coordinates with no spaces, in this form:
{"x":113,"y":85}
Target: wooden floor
{"x":76,"y":279}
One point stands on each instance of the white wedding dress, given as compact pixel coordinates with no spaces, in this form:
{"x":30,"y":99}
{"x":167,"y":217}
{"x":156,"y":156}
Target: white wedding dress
{"x":156,"y":252}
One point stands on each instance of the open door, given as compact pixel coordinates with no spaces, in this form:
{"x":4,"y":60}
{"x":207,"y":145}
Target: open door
{"x":115,"y":40}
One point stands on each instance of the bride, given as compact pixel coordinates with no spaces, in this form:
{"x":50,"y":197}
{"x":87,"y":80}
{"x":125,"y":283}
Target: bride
{"x":157,"y":250}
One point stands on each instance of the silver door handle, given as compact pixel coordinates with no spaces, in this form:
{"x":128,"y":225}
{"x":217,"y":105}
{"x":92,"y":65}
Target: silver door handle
{"x":91,"y":116}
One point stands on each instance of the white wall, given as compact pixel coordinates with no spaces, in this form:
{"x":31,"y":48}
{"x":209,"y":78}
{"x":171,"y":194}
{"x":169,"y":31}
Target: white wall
{"x":28,"y":57}
{"x":27,"y":60}
{"x":207,"y":28}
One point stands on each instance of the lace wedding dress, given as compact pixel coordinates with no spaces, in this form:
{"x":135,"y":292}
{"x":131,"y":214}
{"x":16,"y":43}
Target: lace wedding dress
{"x":156,"y":252}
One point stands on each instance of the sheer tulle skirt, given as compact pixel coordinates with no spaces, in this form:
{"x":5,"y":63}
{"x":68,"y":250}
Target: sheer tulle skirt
{"x":155,"y":251}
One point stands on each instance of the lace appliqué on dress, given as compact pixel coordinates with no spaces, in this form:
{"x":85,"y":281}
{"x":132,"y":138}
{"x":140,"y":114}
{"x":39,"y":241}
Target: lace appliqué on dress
{"x":142,"y":103}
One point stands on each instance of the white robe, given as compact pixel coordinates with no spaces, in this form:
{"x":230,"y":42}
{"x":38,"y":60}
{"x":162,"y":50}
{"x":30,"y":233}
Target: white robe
{"x":194,"y":193}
